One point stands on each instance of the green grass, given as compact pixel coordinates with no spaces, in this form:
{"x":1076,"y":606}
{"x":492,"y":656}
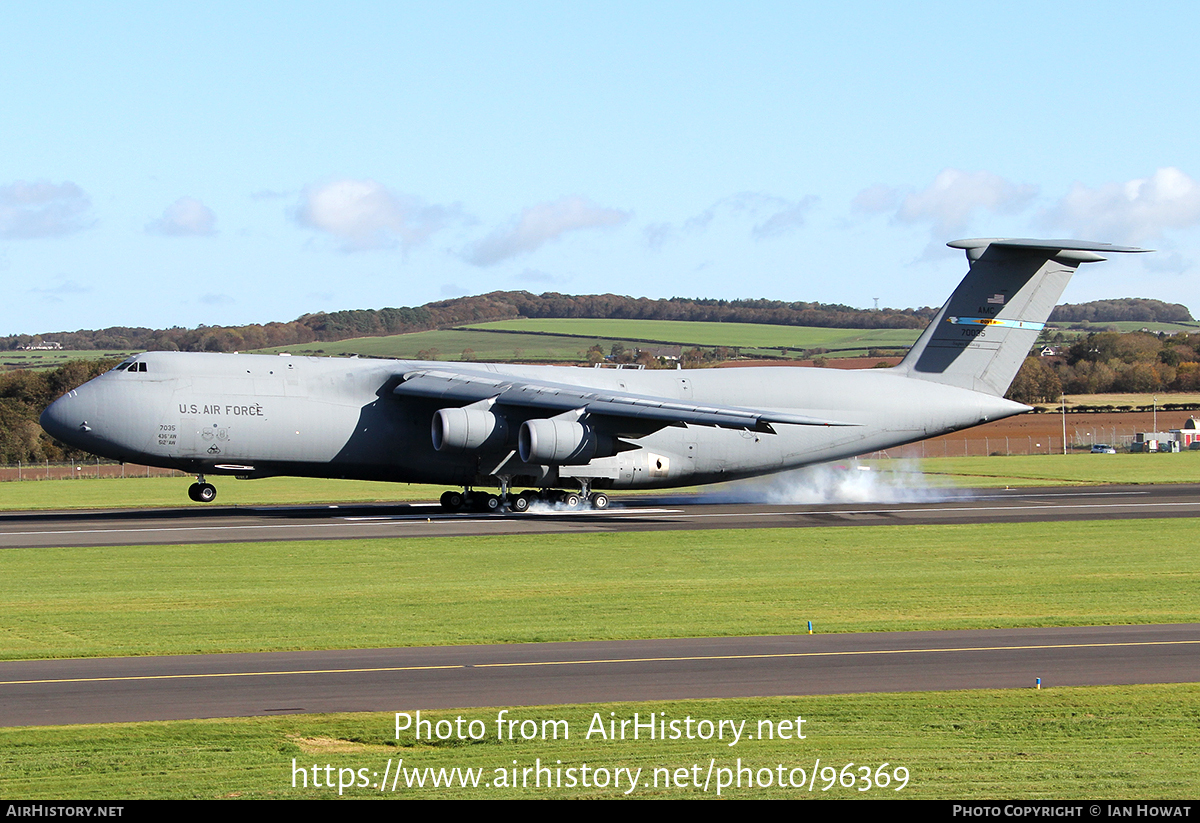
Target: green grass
{"x":451,"y":343}
{"x":1131,"y":400}
{"x":1130,"y":742}
{"x":547,"y":340}
{"x":743,"y":335}
{"x":977,"y":472}
{"x":52,"y":359}
{"x":272,"y":596}
{"x":1126,"y":326}
{"x":159,"y":492}
{"x":1048,"y":469}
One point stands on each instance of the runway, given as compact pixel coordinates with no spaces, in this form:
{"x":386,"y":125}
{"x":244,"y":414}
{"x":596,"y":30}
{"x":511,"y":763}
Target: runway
{"x":631,"y":513}
{"x":168,"y":688}
{"x":53,"y":692}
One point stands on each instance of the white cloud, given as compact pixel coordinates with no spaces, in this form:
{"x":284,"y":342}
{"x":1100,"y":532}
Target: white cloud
{"x":789,"y":216}
{"x":539,"y":225}
{"x":186,"y":217}
{"x":950,"y":202}
{"x":64,"y":286}
{"x":877,"y":198}
{"x":955,"y":196}
{"x":773,"y":216}
{"x":1167,"y":262}
{"x":1130,"y":212}
{"x":364,"y":214}
{"x":41,"y":209}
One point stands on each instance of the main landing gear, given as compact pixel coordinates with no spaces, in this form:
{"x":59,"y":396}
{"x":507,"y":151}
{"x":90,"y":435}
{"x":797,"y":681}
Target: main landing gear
{"x":469,"y":500}
{"x":202,"y":492}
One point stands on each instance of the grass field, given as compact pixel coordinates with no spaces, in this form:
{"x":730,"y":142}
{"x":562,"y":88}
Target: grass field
{"x":1083,"y":743}
{"x":51,"y":359}
{"x":1125,"y":743}
{"x":978,"y":472}
{"x":1131,"y":400}
{"x":742,"y":335}
{"x":434,"y":591}
{"x":1126,"y":326}
{"x":451,"y":343}
{"x":159,"y":492}
{"x":546,"y":340}
{"x":1048,"y":470}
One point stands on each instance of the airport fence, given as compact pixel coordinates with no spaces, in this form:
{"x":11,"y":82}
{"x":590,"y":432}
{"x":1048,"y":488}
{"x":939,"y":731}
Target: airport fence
{"x":1078,"y":442}
{"x":80,"y":469}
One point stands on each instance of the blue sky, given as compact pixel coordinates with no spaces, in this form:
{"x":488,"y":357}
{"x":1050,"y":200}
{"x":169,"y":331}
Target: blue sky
{"x":171,"y":164}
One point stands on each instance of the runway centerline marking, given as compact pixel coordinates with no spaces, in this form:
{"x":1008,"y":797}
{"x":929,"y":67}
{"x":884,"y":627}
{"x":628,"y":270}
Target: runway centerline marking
{"x":609,"y":661}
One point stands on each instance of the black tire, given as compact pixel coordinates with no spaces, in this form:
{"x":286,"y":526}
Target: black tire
{"x":599,"y":500}
{"x":193,"y":492}
{"x":206,"y":492}
{"x":520,"y":504}
{"x":491,"y":503}
{"x":571,"y":500}
{"x":452,"y":501}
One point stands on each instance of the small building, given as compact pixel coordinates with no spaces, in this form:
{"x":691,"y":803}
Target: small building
{"x":1174,"y":440}
{"x":1189,"y":435}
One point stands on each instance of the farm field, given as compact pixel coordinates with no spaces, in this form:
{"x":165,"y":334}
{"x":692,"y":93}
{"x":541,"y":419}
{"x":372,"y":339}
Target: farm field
{"x":450,"y":344}
{"x":1125,"y":326}
{"x":52,"y":359}
{"x":569,"y":340}
{"x":739,"y":335}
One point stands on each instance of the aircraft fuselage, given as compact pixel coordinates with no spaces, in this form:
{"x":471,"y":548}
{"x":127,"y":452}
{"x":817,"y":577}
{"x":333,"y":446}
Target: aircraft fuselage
{"x":263,"y":415}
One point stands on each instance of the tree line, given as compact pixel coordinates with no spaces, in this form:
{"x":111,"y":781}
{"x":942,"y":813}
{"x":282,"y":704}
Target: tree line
{"x":1111,"y":362}
{"x":501,"y":305}
{"x":509,"y":305}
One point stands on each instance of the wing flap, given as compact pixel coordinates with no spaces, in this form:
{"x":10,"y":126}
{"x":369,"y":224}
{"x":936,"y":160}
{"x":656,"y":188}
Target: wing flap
{"x":471,"y":387}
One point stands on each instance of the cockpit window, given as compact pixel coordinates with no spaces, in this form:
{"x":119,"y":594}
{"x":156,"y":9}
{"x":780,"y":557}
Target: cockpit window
{"x":123,"y":366}
{"x":131,"y":366}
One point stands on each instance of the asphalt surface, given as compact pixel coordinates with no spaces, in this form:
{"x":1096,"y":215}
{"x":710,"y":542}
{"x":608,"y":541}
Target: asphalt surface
{"x":56,"y":692}
{"x":53,"y":692}
{"x":224,"y":524}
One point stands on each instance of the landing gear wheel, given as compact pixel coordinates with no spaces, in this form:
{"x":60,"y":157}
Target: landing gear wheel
{"x":571,"y":500}
{"x":520,"y":503}
{"x":202,"y":492}
{"x":452,"y":501}
{"x":491,"y":503}
{"x":599,"y":500}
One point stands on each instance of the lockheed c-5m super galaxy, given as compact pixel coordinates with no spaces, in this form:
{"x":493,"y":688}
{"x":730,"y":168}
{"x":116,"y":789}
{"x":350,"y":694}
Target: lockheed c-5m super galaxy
{"x":570,"y":434}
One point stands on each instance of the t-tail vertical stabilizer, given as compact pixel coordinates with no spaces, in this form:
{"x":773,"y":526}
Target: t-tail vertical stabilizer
{"x":982,"y":335}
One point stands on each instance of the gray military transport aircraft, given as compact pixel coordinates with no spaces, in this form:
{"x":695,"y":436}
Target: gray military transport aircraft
{"x":553,"y":430}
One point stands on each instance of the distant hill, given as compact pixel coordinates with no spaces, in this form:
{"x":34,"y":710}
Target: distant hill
{"x":511,"y":305}
{"x":1137,"y":309}
{"x":342,"y":325}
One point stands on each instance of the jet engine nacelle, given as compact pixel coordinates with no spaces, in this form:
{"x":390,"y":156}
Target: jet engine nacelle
{"x":460,"y":430}
{"x":561,"y":442}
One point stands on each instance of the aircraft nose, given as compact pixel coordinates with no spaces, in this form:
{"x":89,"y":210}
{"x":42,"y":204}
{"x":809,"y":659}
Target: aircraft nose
{"x":67,"y":418}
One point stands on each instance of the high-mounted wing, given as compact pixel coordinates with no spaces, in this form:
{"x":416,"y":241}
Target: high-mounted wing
{"x":465,"y":387}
